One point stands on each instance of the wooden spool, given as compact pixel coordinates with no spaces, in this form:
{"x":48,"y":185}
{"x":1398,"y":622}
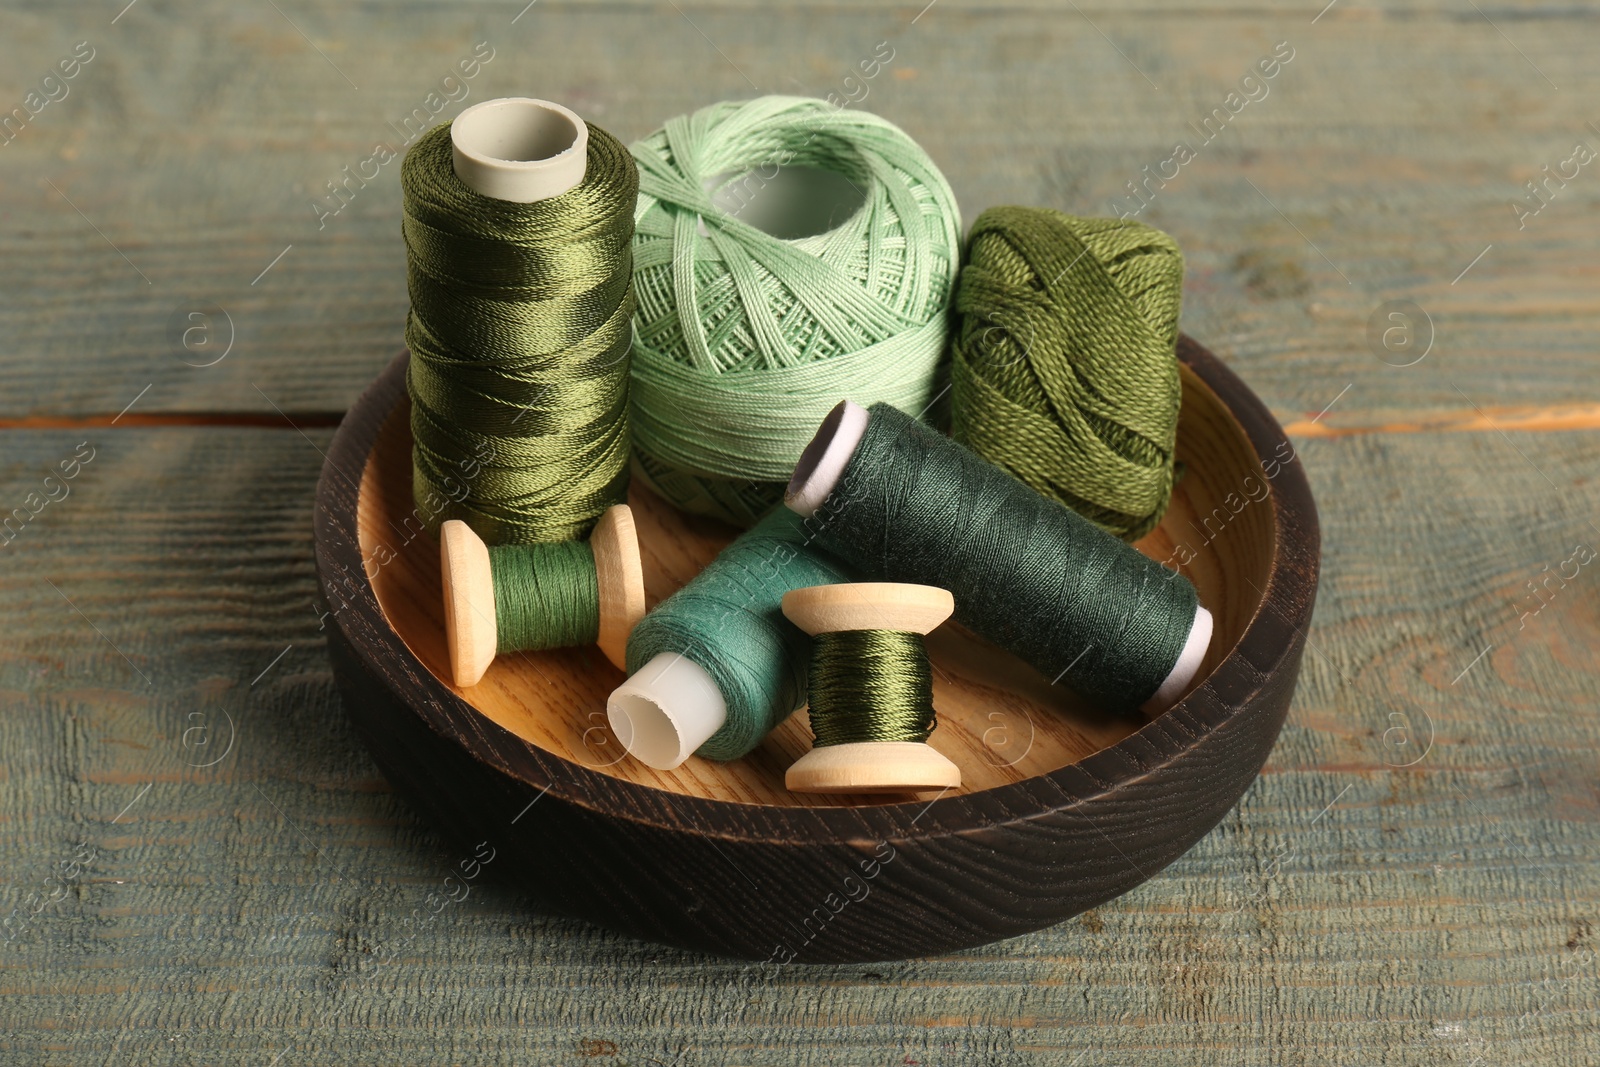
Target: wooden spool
{"x":468,"y":583}
{"x":870,"y":766}
{"x":1059,"y":809}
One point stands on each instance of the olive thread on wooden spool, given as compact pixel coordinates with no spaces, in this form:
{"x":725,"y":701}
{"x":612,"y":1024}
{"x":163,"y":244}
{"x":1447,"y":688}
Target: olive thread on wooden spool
{"x":871,"y":688}
{"x":592,"y":592}
{"x":905,"y":503}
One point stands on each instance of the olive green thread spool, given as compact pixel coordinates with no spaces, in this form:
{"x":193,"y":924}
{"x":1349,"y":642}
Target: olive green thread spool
{"x":518,"y":222}
{"x":474,"y":624}
{"x":904,"y":503}
{"x":876,"y":701}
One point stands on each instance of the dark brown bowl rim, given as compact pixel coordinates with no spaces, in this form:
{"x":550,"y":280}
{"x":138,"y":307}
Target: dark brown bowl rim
{"x":1271,"y":636}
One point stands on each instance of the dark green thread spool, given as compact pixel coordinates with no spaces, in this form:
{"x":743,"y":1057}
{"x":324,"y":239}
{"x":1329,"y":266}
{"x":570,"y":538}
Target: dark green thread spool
{"x":902,"y":502}
{"x":531,"y":597}
{"x":871,"y":688}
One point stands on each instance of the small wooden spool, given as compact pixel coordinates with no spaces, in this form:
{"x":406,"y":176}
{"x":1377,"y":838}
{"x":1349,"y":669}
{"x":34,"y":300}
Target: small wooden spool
{"x":870,"y":766}
{"x":469,"y":613}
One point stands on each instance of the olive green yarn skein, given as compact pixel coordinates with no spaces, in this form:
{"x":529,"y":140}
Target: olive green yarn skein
{"x":1064,"y":370}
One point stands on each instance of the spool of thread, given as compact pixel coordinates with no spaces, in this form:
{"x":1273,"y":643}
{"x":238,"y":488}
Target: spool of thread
{"x":518,"y":229}
{"x":786,"y":253}
{"x":871,"y":688}
{"x":905,"y":503}
{"x":529,"y":597}
{"x":1063,"y":368}
{"x":716,"y":665}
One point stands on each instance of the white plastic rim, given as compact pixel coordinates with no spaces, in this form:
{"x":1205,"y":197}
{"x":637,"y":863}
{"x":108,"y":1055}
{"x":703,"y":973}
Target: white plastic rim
{"x":519,"y":149}
{"x":666,"y":710}
{"x":1183,"y":672}
{"x":823,"y":462}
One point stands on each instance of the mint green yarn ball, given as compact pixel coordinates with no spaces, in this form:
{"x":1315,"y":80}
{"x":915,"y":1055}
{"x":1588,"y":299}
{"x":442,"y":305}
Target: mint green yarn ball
{"x":744,"y":338}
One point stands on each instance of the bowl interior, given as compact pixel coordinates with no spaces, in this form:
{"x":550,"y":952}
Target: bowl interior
{"x":999,"y":720}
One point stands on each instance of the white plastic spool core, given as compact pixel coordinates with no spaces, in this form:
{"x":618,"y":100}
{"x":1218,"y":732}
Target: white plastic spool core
{"x":821,"y":466}
{"x":519,"y":149}
{"x":823,"y":462}
{"x":666,"y":710}
{"x":1183,"y":672}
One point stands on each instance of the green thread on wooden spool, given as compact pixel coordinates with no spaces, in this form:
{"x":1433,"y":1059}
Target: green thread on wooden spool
{"x":1083,"y":608}
{"x":745,"y":339}
{"x":519,"y":334}
{"x":870,"y":685}
{"x":545,"y":596}
{"x":1063,"y":367}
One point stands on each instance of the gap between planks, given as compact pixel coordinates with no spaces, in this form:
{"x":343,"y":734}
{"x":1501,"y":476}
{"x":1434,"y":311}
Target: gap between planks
{"x":1522,"y":419}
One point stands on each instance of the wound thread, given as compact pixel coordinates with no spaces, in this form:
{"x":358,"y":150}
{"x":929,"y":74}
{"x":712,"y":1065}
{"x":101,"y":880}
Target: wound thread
{"x":1086,"y":610}
{"x":744,"y":338}
{"x":1064,"y":369}
{"x":519,"y":334}
{"x":545,"y":596}
{"x":729,"y":620}
{"x":870,"y":685}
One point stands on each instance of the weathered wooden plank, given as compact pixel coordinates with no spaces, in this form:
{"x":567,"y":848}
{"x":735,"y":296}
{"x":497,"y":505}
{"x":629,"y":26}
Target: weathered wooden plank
{"x":1350,"y":911}
{"x":1438,"y":912}
{"x":1384,"y":158}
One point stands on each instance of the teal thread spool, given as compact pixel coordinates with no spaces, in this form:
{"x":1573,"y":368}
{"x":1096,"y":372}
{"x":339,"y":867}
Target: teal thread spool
{"x":870,"y":688}
{"x":905,"y":503}
{"x":530,"y":597}
{"x":716,"y":666}
{"x":786,"y":253}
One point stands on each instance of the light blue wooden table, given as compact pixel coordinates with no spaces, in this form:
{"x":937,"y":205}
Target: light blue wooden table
{"x":198,"y":863}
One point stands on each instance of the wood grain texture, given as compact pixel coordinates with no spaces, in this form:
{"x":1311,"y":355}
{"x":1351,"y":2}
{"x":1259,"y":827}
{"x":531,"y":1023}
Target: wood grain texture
{"x":1000,"y":719}
{"x":1020,"y":845}
{"x":1350,"y":910}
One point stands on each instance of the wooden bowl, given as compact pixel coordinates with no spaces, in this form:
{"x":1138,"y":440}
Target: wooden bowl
{"x":1060,"y":808}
